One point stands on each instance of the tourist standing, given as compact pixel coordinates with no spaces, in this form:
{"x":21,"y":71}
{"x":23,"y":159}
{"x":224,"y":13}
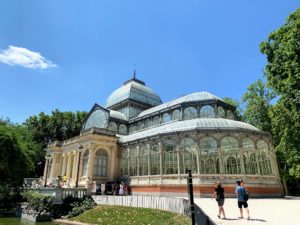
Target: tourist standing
{"x":94,"y":188}
{"x":121,"y":190}
{"x":240,"y":193}
{"x":220,"y":198}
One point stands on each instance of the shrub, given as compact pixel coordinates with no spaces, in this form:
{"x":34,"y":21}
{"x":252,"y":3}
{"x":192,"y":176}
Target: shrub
{"x":81,"y":205}
{"x":38,"y":202}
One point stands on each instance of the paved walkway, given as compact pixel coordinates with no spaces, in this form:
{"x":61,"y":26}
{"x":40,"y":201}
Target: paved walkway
{"x":262,"y":211}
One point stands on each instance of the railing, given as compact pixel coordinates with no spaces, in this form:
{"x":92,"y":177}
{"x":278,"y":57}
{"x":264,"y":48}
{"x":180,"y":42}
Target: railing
{"x":176,"y":205}
{"x":60,"y":194}
{"x":201,"y":218}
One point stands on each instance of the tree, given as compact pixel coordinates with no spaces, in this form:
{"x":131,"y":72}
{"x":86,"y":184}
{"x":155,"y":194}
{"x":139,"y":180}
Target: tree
{"x":238,"y":110}
{"x":283,"y":54}
{"x":258,"y":103}
{"x":282,"y":49}
{"x":57,"y":126}
{"x":17,"y":153}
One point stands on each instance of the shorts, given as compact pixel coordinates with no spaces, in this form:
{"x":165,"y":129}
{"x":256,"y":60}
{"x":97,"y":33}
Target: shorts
{"x":221,"y":202}
{"x":240,"y":204}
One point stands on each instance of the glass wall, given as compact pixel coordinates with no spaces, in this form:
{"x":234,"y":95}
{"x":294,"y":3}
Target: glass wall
{"x":170,"y":165}
{"x":231,"y":155}
{"x":190,"y":113}
{"x":176,"y":115}
{"x":209,"y":163}
{"x":221,"y":112}
{"x":188,"y":155}
{"x":264,"y":159}
{"x":143,"y":160}
{"x":249,"y":156}
{"x":166,"y":118}
{"x":154,"y":160}
{"x":207,"y":111}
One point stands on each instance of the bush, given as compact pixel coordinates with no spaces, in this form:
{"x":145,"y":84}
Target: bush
{"x":38,"y":202}
{"x":81,"y":205}
{"x":9,"y":196}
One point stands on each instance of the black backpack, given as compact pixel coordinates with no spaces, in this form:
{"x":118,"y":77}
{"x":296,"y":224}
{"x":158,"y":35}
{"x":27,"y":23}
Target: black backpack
{"x":246,"y":195}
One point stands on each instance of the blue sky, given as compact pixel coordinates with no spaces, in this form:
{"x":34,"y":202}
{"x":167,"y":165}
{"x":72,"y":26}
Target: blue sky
{"x":70,"y":54}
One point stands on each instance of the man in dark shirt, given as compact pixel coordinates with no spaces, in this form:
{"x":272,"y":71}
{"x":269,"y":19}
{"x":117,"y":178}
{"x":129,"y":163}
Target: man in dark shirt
{"x":240,"y":194}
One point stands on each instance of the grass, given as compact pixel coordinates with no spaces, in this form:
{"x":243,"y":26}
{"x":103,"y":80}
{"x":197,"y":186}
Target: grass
{"x":115,"y":215}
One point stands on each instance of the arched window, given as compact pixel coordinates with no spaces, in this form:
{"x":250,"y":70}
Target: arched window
{"x":188,"y":155}
{"x":209,"y":156}
{"x":147,"y":123}
{"x":124,"y":163}
{"x":133,"y":161}
{"x":230,"y":149}
{"x":154,"y":160}
{"x":155,"y":121}
{"x":252,"y":165}
{"x":207,"y":111}
{"x":231,"y":166}
{"x":170,"y":165}
{"x":230,"y":115}
{"x":221,"y":112}
{"x":209,"y":166}
{"x":248,"y":151}
{"x":113,"y":126}
{"x":132,"y":128}
{"x":140,"y":125}
{"x":123,"y":129}
{"x":190,"y":113}
{"x":100,"y":163}
{"x":166,"y":118}
{"x":264,"y":158}
{"x":85,"y":161}
{"x":143,"y":161}
{"x":176,"y":115}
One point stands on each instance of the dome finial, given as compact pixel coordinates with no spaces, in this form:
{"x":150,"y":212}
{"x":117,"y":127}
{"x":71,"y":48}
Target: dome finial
{"x":134,"y":74}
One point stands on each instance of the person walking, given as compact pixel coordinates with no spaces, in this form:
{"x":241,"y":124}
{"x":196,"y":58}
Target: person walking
{"x":240,"y":193}
{"x":220,"y":198}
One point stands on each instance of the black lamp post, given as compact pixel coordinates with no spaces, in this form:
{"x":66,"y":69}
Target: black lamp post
{"x":79,"y":150}
{"x":191,"y":195}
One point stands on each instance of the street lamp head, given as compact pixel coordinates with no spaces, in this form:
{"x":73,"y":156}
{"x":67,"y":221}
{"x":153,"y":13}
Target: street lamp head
{"x":80,"y":148}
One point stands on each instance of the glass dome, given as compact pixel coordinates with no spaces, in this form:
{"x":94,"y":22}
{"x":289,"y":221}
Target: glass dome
{"x":134,"y":89}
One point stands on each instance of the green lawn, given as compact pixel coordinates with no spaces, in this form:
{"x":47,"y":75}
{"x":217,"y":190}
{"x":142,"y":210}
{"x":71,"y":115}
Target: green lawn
{"x":116,"y":215}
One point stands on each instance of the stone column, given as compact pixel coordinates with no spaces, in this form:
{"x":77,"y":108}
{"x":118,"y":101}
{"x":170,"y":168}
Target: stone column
{"x":90,"y":169}
{"x":62,"y":173}
{"x":74,"y":166}
{"x":45,"y":168}
{"x":52,"y":171}
{"x":76,"y":163}
{"x":68,"y":165}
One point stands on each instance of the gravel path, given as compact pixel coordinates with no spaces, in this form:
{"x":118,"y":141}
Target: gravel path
{"x":262,"y":211}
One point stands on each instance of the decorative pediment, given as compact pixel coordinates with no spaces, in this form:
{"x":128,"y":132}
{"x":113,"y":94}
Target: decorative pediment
{"x":98,"y":117}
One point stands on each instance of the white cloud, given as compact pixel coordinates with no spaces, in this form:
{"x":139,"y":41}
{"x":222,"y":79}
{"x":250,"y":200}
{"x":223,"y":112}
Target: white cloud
{"x":25,"y":58}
